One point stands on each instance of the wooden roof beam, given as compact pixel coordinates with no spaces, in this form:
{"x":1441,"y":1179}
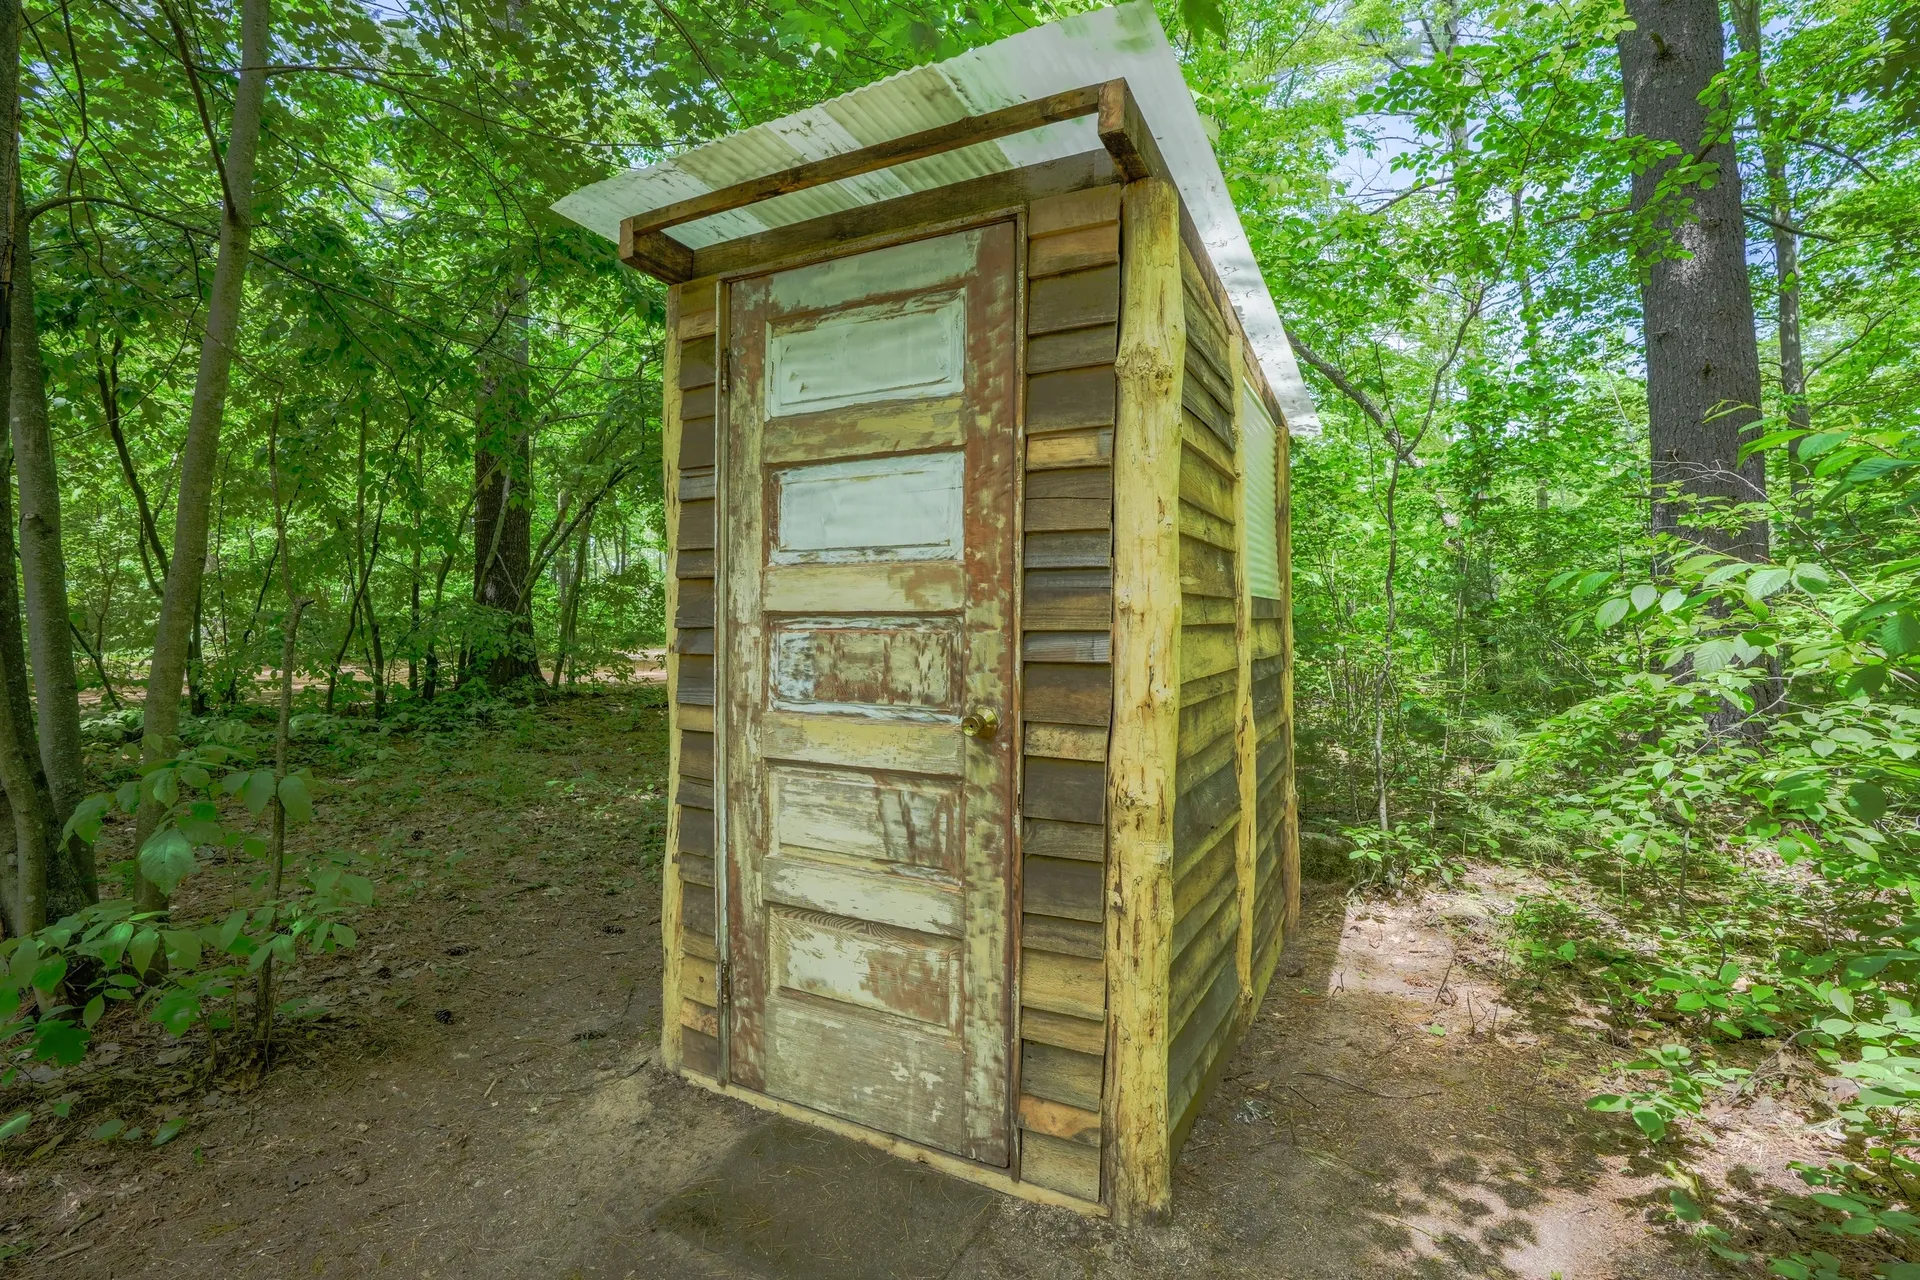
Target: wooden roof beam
{"x":646,"y":246}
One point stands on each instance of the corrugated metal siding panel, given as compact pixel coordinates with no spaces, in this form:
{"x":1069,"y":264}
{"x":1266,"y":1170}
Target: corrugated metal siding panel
{"x":1260,"y":498}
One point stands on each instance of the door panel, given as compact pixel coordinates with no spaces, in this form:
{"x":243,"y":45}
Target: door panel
{"x":869,"y":545}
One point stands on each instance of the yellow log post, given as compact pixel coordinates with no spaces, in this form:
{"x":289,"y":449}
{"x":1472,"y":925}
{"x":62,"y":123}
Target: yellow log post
{"x":1146,"y":699}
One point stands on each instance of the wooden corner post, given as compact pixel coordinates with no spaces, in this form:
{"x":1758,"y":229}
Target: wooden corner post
{"x":671,"y":1055}
{"x":1146,"y":699}
{"x":1245,"y":739}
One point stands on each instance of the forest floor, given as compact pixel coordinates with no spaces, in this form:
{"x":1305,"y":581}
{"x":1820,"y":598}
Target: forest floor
{"x":481,"y":1099}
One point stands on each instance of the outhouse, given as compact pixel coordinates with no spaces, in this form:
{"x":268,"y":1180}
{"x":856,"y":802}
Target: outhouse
{"x":982,"y":838}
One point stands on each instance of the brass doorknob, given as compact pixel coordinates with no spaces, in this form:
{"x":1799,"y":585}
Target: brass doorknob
{"x":981,"y":723}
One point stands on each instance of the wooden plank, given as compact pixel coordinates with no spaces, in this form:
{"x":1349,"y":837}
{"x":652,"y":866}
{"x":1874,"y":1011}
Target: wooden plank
{"x":865,"y":430}
{"x":1074,"y":210}
{"x":914,"y":216}
{"x":1206,"y":1035}
{"x":697,"y":485}
{"x":1094,"y":483}
{"x":1067,"y":600}
{"x":1146,"y":703}
{"x":696,"y":526}
{"x":1076,"y":550}
{"x":1070,"y":399}
{"x":693,"y":868}
{"x":1205,"y":651}
{"x":1062,"y":1075}
{"x":1070,"y":449}
{"x":1064,"y":1030}
{"x":1063,"y":936}
{"x":1074,"y":301}
{"x":699,"y":981}
{"x":1206,"y":570}
{"x":1197,"y":691}
{"x":1202,"y":526}
{"x":1064,"y":790}
{"x":861,"y":743}
{"x":697,"y":792}
{"x":1061,"y":1166}
{"x":1047,"y":515}
{"x":1214,"y":424}
{"x":697,"y":441}
{"x":1206,"y":804}
{"x":1063,"y":887}
{"x":886,"y":587}
{"x":1203,"y":485}
{"x":1071,"y":985}
{"x":696,"y":755}
{"x":1207,"y":611}
{"x":696,"y":363}
{"x":1094,"y":246}
{"x":1058,"y":1120}
{"x":1064,"y":839}
{"x":700,"y":1052}
{"x":1204,"y":723}
{"x":1067,"y":741}
{"x":1067,"y":646}
{"x":968,"y":131}
{"x":1072,"y":348}
{"x":696,"y":679}
{"x":1126,"y":136}
{"x":696,"y":604}
{"x":696,"y":640}
{"x":696,"y":914}
{"x":1068,"y":693}
{"x":696,"y":832}
{"x":1201,"y":438}
{"x":1200,"y":868}
{"x":693,"y":564}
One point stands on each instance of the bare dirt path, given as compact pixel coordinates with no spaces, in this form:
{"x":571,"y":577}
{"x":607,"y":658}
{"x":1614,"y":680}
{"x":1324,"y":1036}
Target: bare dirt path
{"x":486,"y":1103}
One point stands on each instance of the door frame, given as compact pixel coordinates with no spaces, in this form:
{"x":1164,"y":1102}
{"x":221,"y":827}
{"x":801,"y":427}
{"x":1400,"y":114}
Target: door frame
{"x":723,"y":846}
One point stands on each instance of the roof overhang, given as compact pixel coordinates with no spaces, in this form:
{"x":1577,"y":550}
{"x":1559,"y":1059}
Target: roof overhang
{"x":1038,"y":67}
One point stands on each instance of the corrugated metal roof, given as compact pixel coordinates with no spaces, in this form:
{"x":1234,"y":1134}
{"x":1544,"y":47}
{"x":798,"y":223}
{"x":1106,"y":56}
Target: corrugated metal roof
{"x":1085,"y":49}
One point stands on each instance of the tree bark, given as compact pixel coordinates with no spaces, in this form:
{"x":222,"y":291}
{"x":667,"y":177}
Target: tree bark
{"x":1786,"y":245}
{"x":199,"y":457}
{"x":1703,"y":362}
{"x":502,"y":512}
{"x":43,"y":561}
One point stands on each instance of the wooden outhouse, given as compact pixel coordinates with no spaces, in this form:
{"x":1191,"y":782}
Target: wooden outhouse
{"x":982,"y":834}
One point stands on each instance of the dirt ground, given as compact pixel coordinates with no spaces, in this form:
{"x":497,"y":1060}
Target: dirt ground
{"x":482,"y":1099}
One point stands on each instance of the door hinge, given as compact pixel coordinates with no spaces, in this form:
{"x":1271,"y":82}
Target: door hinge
{"x":726,"y":982}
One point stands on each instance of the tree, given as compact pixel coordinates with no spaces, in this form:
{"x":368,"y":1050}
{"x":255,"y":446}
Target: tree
{"x":1703,"y":361}
{"x":200,"y":456}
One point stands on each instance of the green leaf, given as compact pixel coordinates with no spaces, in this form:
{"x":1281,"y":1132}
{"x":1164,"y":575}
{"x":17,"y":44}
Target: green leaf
{"x":169,"y":1130}
{"x":1203,"y":17}
{"x":1672,"y":600}
{"x":1866,"y":801}
{"x":91,"y":1014}
{"x":1820,"y":442}
{"x":1644,"y":596}
{"x":15,"y":1125}
{"x":1900,"y":634}
{"x":1611,"y":612}
{"x":230,"y":929}
{"x":1685,"y":1207}
{"x":1811,"y":578}
{"x":88,"y":817}
{"x":167,"y":859}
{"x":257,"y":791}
{"x":1650,"y":1121}
{"x":140,"y":952}
{"x":1766,"y":582}
{"x":294,"y":798}
{"x":108,"y":1131}
{"x":166,"y":787}
{"x":183,"y":948}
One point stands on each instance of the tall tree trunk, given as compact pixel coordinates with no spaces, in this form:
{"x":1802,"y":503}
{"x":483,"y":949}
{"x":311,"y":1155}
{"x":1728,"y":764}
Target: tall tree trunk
{"x":573,"y":581}
{"x":199,"y":456}
{"x":503,"y":511}
{"x":1786,"y":244}
{"x":1703,"y":362}
{"x":43,"y":561}
{"x":36,"y":836}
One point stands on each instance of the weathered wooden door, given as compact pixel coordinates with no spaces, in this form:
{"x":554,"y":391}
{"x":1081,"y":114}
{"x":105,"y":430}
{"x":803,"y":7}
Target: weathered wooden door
{"x":868,"y":563}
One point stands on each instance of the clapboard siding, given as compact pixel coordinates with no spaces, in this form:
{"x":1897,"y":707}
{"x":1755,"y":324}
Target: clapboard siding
{"x":692,"y":403}
{"x":1208,"y":912}
{"x":1073,"y":305}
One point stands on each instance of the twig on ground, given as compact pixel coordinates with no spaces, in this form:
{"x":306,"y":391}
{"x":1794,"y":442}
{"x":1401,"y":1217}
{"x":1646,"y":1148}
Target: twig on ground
{"x":1360,"y":1088}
